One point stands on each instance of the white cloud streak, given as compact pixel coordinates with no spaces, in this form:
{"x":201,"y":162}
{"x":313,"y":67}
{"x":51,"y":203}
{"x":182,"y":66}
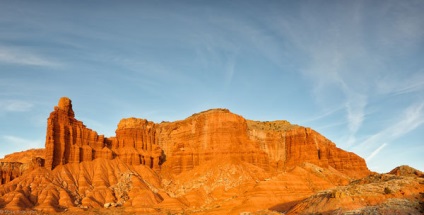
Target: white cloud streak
{"x":349,"y":66}
{"x":355,"y":106}
{"x":24,"y":57}
{"x":15,"y":106}
{"x":329,"y":54}
{"x":375,"y":152}
{"x":21,"y":142}
{"x":413,"y":83}
{"x":324,"y":115}
{"x":409,"y":120}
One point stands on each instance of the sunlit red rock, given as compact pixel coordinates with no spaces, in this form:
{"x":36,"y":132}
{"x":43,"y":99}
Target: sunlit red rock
{"x":374,"y":194}
{"x":213,"y":162}
{"x":14,"y":165}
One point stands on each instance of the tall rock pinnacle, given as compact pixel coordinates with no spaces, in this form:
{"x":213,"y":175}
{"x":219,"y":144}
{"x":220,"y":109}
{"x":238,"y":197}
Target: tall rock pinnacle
{"x":65,"y":104}
{"x":68,"y":140}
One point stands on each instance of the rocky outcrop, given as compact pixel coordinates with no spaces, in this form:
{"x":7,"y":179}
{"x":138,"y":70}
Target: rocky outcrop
{"x":14,"y":165}
{"x":290,"y":145}
{"x":70,"y":141}
{"x":79,"y":186}
{"x":214,"y":161}
{"x":273,"y":146}
{"x":406,"y":171}
{"x":374,"y":194}
{"x":10,"y":170}
{"x":135,"y":143}
{"x":24,"y":156}
{"x":214,"y":134}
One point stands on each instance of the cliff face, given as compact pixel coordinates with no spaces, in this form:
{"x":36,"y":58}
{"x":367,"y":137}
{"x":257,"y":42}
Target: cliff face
{"x":213,"y":134}
{"x":70,"y":141}
{"x":291,"y":145}
{"x":24,"y":156}
{"x":135,"y":143}
{"x":11,"y":169}
{"x":67,"y":139}
{"x":213,"y":161}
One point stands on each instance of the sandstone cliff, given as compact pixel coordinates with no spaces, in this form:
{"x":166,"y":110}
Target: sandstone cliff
{"x":16,"y":164}
{"x":24,"y":156}
{"x":70,"y":141}
{"x":213,"y":162}
{"x":290,"y":145}
{"x":213,"y":134}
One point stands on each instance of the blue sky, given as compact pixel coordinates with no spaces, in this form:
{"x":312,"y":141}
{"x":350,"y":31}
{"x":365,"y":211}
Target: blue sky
{"x":352,"y":70}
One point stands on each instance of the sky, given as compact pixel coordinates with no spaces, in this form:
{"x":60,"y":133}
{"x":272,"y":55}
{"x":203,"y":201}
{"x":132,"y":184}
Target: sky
{"x":351,"y":70}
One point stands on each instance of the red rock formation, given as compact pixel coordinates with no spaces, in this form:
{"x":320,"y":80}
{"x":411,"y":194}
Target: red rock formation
{"x":213,"y":161}
{"x":135,"y":143}
{"x":24,"y":156}
{"x":291,"y":145}
{"x":81,"y":185}
{"x":406,"y":171}
{"x":375,"y":194}
{"x":14,"y":165}
{"x":214,"y":134}
{"x":10,"y":170}
{"x":70,"y":141}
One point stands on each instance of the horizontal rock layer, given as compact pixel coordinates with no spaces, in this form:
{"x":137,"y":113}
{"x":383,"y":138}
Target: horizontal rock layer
{"x":180,"y":146}
{"x":10,"y":170}
{"x":213,"y":162}
{"x":70,"y":141}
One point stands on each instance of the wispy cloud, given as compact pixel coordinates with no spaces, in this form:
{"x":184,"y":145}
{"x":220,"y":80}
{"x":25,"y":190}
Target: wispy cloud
{"x":413,"y":83}
{"x":10,"y":144}
{"x":24,"y":57}
{"x":355,"y":106}
{"x":375,"y":152}
{"x":335,"y":82}
{"x":412,"y":117}
{"x":15,"y":106}
{"x":323,"y":115}
{"x":331,"y":57}
{"x":409,"y":120}
{"x":21,"y":142}
{"x":230,"y":70}
{"x":403,"y":29}
{"x":348,"y":66}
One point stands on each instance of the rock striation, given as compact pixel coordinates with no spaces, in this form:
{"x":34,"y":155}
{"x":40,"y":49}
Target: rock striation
{"x":290,"y":145}
{"x":14,"y":165}
{"x":210,"y":135}
{"x":214,"y":162}
{"x":397,"y":192}
{"x":10,"y":170}
{"x":24,"y":156}
{"x":135,"y":143}
{"x":70,"y":141}
{"x":214,"y":134}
